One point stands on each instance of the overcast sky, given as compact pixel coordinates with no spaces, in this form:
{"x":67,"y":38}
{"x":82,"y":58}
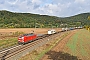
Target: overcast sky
{"x":60,"y":8}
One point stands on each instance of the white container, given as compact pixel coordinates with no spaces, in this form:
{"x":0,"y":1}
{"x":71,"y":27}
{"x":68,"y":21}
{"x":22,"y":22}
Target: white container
{"x":51,"y":31}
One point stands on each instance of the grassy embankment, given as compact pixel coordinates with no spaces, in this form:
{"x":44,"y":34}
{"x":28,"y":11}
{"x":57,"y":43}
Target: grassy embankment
{"x":7,"y":40}
{"x":79,"y":45}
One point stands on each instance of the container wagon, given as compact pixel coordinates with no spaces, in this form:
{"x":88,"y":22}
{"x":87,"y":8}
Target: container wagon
{"x":51,"y":31}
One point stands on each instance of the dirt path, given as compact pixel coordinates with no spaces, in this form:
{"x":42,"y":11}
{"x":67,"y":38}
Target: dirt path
{"x":57,"y":54}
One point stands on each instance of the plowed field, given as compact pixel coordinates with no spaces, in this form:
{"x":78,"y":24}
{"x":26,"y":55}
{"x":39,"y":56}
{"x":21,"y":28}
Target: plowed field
{"x":28,"y":30}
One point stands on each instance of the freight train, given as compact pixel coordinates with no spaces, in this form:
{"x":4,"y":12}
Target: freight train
{"x":25,"y":38}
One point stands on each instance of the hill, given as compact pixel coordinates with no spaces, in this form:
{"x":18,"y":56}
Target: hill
{"x":27,"y":20}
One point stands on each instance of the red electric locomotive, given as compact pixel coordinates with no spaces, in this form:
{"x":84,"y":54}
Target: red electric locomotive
{"x":27,"y":38}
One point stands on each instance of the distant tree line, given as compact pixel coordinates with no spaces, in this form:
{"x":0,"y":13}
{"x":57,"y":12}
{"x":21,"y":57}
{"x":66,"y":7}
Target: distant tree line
{"x":28,"y":20}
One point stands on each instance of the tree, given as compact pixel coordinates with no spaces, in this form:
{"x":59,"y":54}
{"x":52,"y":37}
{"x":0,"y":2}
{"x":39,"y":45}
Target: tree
{"x":88,"y":17}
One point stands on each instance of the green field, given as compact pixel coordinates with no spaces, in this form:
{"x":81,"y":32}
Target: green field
{"x":79,"y":45}
{"x":8,"y":42}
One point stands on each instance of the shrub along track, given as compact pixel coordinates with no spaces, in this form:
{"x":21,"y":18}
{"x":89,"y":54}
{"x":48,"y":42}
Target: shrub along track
{"x":56,"y":52}
{"x":9,"y":53}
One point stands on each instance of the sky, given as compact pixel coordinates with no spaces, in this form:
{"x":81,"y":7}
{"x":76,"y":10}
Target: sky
{"x":59,"y":8}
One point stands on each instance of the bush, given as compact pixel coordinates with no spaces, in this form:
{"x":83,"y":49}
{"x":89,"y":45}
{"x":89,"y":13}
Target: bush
{"x":17,"y":33}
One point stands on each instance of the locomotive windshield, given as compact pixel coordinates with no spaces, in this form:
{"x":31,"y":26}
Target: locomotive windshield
{"x":30,"y":34}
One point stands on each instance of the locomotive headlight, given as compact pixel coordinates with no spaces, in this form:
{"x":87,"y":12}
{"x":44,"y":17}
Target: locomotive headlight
{"x":22,"y":39}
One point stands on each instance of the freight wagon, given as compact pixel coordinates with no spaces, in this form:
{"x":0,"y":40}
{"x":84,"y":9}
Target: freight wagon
{"x":63,"y":29}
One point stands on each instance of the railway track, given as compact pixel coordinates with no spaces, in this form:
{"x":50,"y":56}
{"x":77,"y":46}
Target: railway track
{"x":8,"y":53}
